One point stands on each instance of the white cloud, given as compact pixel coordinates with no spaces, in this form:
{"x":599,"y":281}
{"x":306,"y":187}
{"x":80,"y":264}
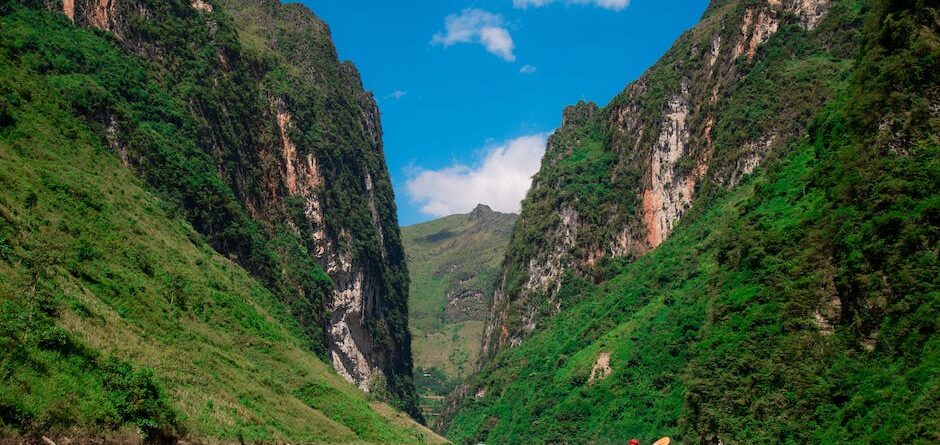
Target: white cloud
{"x":397,"y":94}
{"x":615,"y":5}
{"x":500,"y":181}
{"x":477,"y":26}
{"x":527,"y":69}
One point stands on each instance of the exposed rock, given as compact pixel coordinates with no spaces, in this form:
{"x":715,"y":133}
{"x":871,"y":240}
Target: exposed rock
{"x":68,"y":7}
{"x":715,"y":51}
{"x":662,"y":157}
{"x":758,"y":26}
{"x":465,"y":305}
{"x":753,"y":154}
{"x":601,"y":368}
{"x":811,"y":12}
{"x":360,"y":292}
{"x":282,"y":178}
{"x":625,"y":244}
{"x":302,"y":178}
{"x":101,"y":14}
{"x":202,"y":5}
{"x":350,"y":345}
{"x":670,"y":192}
{"x":348,"y":341}
{"x":374,"y":211}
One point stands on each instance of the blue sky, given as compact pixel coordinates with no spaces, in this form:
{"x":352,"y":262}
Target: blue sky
{"x":470,"y":89}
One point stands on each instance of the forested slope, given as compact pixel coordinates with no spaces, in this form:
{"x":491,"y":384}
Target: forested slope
{"x":615,"y":181}
{"x":144,"y":295}
{"x":799,"y":307}
{"x":276,"y":156}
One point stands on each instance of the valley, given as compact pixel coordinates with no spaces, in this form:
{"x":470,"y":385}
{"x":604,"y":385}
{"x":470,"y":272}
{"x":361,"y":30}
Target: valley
{"x":453,"y":263}
{"x":203,"y":208}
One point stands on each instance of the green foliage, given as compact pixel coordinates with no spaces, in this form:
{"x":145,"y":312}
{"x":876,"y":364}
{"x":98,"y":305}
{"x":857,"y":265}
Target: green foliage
{"x":115,"y":313}
{"x":734,"y":109}
{"x":158,"y":139}
{"x":454,"y":259}
{"x":193,"y":115}
{"x":802,"y":307}
{"x":434,"y":381}
{"x":41,"y":359}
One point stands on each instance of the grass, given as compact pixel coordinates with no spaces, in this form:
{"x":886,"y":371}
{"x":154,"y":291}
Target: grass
{"x":118,"y":314}
{"x":453,"y":350}
{"x":449,"y":256}
{"x":800,"y":307}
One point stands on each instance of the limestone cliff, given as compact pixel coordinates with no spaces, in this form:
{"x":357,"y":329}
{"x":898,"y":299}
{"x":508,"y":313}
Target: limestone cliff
{"x":616,"y":180}
{"x":297,"y":143}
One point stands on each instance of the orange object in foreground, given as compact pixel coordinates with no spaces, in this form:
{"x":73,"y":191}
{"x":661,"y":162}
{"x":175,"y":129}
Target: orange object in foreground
{"x":663,"y":441}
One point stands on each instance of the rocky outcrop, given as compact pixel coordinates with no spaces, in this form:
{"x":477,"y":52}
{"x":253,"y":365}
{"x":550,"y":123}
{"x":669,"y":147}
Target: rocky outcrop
{"x":298,"y":142}
{"x":811,"y":12}
{"x":202,"y":5}
{"x":465,"y":305}
{"x":662,"y":139}
{"x":349,"y":343}
{"x":601,"y":368}
{"x":106,"y":15}
{"x":665,"y":199}
{"x":758,"y":26}
{"x":348,"y":219}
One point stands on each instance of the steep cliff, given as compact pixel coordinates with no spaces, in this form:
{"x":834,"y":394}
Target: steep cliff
{"x":119,"y":321}
{"x":615,"y":181}
{"x":797,"y":304}
{"x":279,"y":164}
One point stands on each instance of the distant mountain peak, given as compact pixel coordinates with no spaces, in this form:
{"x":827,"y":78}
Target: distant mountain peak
{"x":481,"y":210}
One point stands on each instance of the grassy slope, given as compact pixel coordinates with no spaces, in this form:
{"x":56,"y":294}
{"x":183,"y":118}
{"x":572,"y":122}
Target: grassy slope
{"x":451,"y":254}
{"x":801,"y":308}
{"x":116,"y":313}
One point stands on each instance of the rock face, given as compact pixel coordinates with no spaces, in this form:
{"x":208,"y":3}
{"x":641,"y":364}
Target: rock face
{"x":298,"y":142}
{"x":676,"y":133}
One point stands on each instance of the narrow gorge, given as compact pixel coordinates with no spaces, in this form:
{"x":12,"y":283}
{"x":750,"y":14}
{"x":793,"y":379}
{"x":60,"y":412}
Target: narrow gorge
{"x":729,"y":237}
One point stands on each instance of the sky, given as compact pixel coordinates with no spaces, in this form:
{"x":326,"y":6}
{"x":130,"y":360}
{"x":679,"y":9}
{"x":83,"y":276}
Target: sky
{"x":469,"y":90}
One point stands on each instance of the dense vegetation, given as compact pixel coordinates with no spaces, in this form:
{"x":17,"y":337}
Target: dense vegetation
{"x":194,"y":117}
{"x":801,"y":307}
{"x":116,"y":313}
{"x":597,"y":165}
{"x":453,"y":263}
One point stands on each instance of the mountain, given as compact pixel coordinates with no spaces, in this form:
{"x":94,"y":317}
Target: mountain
{"x":742,"y":247}
{"x":734,"y":90}
{"x":197,"y":221}
{"x":453,"y":262}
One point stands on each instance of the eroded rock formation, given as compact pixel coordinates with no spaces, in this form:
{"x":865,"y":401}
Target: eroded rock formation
{"x":659,"y":146}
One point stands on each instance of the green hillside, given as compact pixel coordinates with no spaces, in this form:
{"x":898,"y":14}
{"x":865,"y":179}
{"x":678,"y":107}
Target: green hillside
{"x":453,"y":263}
{"x":801,"y":307}
{"x":117,"y":316}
